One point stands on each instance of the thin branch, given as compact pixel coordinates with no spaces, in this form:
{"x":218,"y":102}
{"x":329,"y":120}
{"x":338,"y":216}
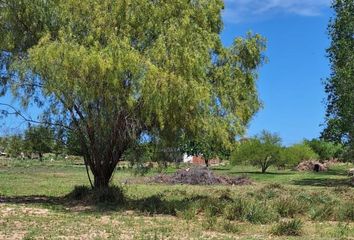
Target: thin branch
{"x":18,"y":113}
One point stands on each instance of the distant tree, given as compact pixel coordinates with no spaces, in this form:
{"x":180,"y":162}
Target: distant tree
{"x":39,"y":140}
{"x":206,"y":147}
{"x":15,"y":145}
{"x":3,"y":144}
{"x":340,"y":85}
{"x":59,"y":143}
{"x":73,"y":144}
{"x":324,"y":149}
{"x":263,"y":150}
{"x":139,"y":154}
{"x":296,"y":153}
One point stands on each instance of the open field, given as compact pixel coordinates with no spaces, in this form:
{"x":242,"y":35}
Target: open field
{"x":33,"y":205}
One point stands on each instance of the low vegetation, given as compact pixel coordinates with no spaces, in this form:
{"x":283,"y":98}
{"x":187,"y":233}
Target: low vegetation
{"x":281,"y":203}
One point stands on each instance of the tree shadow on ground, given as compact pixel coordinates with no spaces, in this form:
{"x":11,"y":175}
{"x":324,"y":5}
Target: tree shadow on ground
{"x":322,"y":182}
{"x":154,"y":204}
{"x":263,"y":174}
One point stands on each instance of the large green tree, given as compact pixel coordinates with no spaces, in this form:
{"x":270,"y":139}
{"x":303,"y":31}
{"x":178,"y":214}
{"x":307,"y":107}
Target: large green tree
{"x":340,"y":86}
{"x":116,"y":70}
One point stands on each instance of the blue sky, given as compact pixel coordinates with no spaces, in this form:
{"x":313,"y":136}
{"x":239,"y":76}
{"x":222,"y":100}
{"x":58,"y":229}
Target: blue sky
{"x":290,"y":84}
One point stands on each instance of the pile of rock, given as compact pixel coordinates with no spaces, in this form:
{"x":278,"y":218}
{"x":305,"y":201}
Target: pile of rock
{"x":199,"y":176}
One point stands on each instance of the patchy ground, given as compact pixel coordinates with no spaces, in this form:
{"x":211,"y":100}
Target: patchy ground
{"x":199,"y":176}
{"x":33,"y":206}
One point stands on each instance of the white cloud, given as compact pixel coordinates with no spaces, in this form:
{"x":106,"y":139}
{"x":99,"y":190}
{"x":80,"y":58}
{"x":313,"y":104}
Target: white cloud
{"x":244,"y":10}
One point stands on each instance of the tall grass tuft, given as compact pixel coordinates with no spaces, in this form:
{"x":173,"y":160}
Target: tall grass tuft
{"x":288,"y":228}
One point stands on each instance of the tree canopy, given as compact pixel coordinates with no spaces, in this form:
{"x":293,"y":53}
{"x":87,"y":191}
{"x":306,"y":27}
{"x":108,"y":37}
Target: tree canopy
{"x":263,"y":150}
{"x":340,"y":85}
{"x":113,"y":70}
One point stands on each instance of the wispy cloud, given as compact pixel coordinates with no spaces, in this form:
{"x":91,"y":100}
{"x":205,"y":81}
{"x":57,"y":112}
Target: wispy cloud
{"x":244,"y":10}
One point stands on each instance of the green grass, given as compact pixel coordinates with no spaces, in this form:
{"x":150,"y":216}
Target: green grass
{"x":336,"y":176}
{"x":33,"y":205}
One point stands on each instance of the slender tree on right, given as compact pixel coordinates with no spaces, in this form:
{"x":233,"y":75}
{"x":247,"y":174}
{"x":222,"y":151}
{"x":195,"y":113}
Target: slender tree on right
{"x":340,"y":85}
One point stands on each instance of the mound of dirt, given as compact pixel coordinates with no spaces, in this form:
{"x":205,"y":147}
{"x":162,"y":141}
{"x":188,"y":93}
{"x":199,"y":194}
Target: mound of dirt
{"x":199,"y":176}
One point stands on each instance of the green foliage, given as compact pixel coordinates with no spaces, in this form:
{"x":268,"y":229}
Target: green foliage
{"x":39,"y":140}
{"x":206,"y":147}
{"x":242,"y":209}
{"x":293,"y":155}
{"x":325,"y":150}
{"x":73,"y":144}
{"x":340,"y":85}
{"x":288,"y":206}
{"x":15,"y":145}
{"x":236,"y":210}
{"x":342,"y":231}
{"x":263,"y":150}
{"x":229,"y":227}
{"x":113,"y":70}
{"x":288,"y":228}
{"x":346,"y":211}
{"x":139,"y":155}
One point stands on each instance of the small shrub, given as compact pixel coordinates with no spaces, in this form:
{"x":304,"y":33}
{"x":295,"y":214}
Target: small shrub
{"x":323,"y":212}
{"x":341,"y":189}
{"x":346,"y":211}
{"x":225,"y":196}
{"x":110,"y":195}
{"x":211,"y":206}
{"x":187,"y":214}
{"x":254,"y":212}
{"x":274,"y":186}
{"x":80,"y":193}
{"x":229,"y":227}
{"x":341,"y":231}
{"x":288,"y":228}
{"x":210,"y":223}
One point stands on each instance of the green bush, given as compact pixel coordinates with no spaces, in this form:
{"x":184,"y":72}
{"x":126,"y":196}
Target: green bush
{"x":288,"y":228}
{"x":293,"y":155}
{"x":325,"y":150}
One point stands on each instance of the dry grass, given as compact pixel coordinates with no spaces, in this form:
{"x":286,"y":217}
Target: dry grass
{"x":33,"y":206}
